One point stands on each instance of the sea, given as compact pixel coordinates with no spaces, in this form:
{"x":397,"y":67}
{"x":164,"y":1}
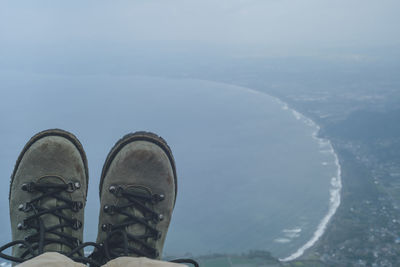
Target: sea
{"x":252,"y":172}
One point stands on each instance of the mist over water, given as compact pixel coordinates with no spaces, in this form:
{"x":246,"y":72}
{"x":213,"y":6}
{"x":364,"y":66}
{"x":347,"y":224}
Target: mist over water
{"x":250,"y":173}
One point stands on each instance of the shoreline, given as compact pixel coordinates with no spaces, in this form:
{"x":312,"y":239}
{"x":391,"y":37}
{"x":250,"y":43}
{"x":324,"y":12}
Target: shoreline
{"x":335,"y":182}
{"x":335,"y":189}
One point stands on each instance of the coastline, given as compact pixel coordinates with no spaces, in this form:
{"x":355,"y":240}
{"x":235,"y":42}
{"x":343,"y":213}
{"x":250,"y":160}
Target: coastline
{"x":336,"y":181}
{"x":335,"y":190}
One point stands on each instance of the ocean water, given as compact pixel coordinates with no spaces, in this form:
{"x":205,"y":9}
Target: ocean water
{"x":252,"y":173}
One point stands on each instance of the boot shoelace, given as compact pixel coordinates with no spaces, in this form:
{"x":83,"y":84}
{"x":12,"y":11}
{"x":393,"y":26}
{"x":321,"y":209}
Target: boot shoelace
{"x":35,"y":243}
{"x":117,"y":242}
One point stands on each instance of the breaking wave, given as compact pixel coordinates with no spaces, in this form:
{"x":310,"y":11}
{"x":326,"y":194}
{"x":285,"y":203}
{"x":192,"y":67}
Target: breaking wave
{"x":336,"y":181}
{"x":336,"y":184}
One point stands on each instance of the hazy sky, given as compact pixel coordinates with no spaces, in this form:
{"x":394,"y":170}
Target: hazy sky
{"x":92,"y":27}
{"x":272,"y":22}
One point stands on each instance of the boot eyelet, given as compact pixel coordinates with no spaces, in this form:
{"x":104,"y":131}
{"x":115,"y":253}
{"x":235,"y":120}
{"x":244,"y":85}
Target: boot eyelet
{"x":112,"y":189}
{"x":76,"y":224}
{"x":21,"y":226}
{"x":25,"y":207}
{"x":158,"y":197}
{"x":109,"y":209}
{"x":106,"y":227}
{"x":28,"y":187}
{"x":71,"y":187}
{"x":76,"y":206}
{"x":158,"y":235}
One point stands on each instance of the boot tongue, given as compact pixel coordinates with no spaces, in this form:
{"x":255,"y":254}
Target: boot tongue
{"x":51,"y":220}
{"x":138,"y":228}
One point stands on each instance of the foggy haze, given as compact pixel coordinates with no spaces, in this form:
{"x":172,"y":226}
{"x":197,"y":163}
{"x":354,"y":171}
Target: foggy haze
{"x":293,"y":24}
{"x":280,"y":93}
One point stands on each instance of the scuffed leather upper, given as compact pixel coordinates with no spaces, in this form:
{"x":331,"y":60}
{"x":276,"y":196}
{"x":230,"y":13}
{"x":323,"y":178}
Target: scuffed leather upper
{"x":50,"y":159}
{"x":141,"y":166}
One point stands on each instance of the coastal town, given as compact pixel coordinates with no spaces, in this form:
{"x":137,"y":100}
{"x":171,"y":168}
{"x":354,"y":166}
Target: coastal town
{"x":357,"y":108}
{"x":356,"y":104}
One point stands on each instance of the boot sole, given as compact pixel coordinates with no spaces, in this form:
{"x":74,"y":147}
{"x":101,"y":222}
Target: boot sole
{"x":139,"y":136}
{"x":52,"y":132}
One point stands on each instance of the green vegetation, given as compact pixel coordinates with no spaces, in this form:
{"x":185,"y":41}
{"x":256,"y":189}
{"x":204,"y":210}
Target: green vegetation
{"x":357,"y":105}
{"x":252,"y":258}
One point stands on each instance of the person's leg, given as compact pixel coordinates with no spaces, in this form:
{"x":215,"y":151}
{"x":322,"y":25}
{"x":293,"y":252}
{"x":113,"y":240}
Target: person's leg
{"x":137,"y":195}
{"x":51,"y":259}
{"x":54,"y":259}
{"x":47,"y":196}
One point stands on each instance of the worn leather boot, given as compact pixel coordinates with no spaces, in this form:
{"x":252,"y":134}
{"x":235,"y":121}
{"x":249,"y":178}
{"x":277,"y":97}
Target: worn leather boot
{"x":137,"y":192}
{"x":48,"y":195}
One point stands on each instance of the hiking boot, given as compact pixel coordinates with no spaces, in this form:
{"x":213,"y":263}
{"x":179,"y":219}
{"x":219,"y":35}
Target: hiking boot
{"x":137,"y":193}
{"x":48,"y":195}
